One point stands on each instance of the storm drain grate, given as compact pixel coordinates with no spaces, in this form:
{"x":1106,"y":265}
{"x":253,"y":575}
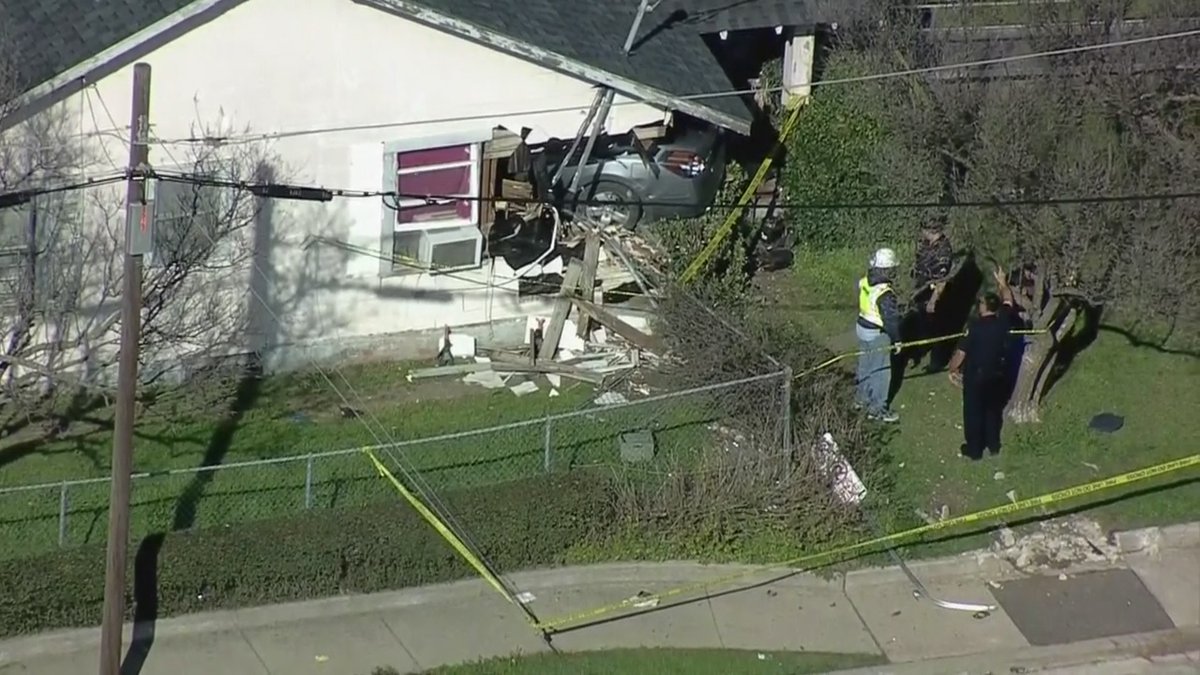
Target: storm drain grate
{"x":1053,"y":611}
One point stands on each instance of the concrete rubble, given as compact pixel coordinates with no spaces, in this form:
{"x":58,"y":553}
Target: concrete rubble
{"x":1055,"y":545}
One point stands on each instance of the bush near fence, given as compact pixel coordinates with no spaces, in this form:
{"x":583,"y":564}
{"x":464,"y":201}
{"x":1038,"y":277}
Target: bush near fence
{"x":518,"y":525}
{"x":40,"y":519}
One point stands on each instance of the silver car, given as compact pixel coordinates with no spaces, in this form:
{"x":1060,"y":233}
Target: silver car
{"x":626,"y":181}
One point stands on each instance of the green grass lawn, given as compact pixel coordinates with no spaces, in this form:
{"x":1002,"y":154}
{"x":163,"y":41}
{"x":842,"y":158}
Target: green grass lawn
{"x":664,"y":662}
{"x":1158,"y":394}
{"x":289,"y":416}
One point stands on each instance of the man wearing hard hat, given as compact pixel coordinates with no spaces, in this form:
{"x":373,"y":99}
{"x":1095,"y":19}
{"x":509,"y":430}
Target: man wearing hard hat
{"x":878,"y":328}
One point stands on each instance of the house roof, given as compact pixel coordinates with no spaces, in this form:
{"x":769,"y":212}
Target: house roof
{"x":667,"y":57}
{"x":669,"y":63}
{"x":52,"y":36}
{"x":711,"y":16}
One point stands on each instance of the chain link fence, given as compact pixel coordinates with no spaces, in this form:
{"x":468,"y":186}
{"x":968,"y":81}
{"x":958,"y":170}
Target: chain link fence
{"x":644,"y":435}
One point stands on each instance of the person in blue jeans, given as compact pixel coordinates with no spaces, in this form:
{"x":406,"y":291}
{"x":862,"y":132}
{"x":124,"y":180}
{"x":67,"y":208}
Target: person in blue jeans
{"x":878,"y":329}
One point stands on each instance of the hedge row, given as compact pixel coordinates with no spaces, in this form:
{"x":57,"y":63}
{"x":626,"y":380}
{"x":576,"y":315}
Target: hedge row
{"x":518,"y":525}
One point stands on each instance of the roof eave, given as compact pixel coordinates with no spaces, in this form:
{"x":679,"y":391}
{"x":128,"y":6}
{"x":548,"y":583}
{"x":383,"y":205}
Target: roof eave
{"x":560,"y":63}
{"x":82,"y":71}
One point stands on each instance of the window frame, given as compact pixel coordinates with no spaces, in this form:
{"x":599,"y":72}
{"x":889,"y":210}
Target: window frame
{"x":390,"y":224}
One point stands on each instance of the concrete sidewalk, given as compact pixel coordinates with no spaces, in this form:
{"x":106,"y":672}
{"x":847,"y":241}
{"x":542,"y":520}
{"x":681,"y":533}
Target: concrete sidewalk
{"x":869,"y":611}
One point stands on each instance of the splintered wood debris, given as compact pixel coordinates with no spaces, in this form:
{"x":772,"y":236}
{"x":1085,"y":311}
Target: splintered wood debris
{"x":581,"y":341}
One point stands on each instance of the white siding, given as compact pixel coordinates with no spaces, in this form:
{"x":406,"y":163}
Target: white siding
{"x":287,"y":66}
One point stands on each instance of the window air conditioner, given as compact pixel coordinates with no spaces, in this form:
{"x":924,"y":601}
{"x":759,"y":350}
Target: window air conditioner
{"x":451,"y":248}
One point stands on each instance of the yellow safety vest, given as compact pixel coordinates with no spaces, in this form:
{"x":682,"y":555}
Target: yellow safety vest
{"x":868,"y":301}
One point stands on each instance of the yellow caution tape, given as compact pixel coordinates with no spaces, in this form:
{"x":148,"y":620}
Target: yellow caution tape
{"x":444,"y":530}
{"x":813,"y":560}
{"x":719,"y":236}
{"x":897,"y":347}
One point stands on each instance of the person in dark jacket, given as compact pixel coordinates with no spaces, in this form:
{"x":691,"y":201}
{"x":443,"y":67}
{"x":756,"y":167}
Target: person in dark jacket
{"x":980,"y":366}
{"x":878,"y":329}
{"x":934,"y":262}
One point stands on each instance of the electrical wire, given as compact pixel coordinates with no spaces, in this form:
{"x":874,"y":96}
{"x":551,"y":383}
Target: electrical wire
{"x":319,"y":193}
{"x":274,"y":135}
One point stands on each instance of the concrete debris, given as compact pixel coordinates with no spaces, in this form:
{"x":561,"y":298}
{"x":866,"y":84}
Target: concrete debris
{"x":643,"y":600}
{"x":1055,"y":545}
{"x":999,"y":475}
{"x":611,"y":398}
{"x":524,"y":388}
{"x":488,"y":379}
{"x":462,"y":346}
{"x":1012,"y":496}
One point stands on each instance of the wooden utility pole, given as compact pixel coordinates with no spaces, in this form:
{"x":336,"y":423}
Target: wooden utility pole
{"x":138,"y":239}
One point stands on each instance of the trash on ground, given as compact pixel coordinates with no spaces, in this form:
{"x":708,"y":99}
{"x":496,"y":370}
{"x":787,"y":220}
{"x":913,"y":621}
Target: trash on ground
{"x":527,"y":387}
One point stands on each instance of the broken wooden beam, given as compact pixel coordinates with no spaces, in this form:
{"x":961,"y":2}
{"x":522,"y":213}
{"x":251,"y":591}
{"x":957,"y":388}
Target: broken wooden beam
{"x":442,"y":371}
{"x":587,"y":283}
{"x":562,"y":307}
{"x":636,"y":337}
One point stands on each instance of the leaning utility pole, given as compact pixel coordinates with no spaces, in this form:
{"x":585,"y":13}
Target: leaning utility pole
{"x":137,"y":242}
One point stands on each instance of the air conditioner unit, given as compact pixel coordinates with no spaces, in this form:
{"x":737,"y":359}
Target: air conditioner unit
{"x":451,"y":248}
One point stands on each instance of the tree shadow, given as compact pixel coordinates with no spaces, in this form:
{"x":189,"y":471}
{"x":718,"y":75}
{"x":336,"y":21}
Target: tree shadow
{"x":1156,"y":346}
{"x":950,"y":316}
{"x":260,"y":330}
{"x":1082,"y":335}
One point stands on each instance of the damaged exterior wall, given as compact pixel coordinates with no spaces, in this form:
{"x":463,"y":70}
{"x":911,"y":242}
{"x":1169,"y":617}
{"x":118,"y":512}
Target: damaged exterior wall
{"x":367,"y":79}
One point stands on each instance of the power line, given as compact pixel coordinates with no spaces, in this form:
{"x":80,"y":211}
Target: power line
{"x":321,"y":193}
{"x":263,"y":136}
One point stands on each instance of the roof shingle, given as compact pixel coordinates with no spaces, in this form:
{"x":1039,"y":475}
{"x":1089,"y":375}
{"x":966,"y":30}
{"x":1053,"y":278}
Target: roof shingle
{"x":50,"y":36}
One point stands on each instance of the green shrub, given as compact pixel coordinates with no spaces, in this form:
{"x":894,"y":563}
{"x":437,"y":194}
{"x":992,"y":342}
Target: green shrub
{"x":518,"y":525}
{"x":845,"y":152}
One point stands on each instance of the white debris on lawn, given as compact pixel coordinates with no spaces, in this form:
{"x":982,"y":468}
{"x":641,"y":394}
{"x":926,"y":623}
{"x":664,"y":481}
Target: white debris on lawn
{"x":1055,"y":544}
{"x":611,"y":398}
{"x":527,"y":387}
{"x":847,"y":486}
{"x":462,"y":346}
{"x":569,"y":341}
{"x":488,"y":379}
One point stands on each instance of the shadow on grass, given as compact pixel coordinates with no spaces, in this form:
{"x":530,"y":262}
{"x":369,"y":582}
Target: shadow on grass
{"x":1082,"y":336}
{"x":1157,"y":346}
{"x":950,"y":316}
{"x":145,"y":571}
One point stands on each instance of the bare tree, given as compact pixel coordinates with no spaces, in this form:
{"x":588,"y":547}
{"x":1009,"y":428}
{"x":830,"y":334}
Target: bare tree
{"x":1116,"y":122}
{"x":61,"y":271}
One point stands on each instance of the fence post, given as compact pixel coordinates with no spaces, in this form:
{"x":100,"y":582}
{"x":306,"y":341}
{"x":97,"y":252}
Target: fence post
{"x":308,"y":478}
{"x":62,"y":514}
{"x":787,"y":412}
{"x":546,"y":447}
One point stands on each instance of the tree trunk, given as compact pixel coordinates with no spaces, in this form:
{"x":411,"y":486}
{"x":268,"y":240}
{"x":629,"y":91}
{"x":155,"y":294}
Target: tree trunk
{"x":1037,"y":363}
{"x":1023,"y":407}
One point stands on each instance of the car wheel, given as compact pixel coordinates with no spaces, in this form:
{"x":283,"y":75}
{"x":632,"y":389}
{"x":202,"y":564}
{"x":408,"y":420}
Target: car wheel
{"x":612,"y":203}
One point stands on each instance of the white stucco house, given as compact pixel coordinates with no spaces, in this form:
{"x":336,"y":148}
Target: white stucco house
{"x":352,"y":95}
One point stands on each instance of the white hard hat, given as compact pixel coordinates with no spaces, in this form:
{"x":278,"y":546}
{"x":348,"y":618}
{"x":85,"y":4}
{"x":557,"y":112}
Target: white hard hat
{"x":884,"y":259}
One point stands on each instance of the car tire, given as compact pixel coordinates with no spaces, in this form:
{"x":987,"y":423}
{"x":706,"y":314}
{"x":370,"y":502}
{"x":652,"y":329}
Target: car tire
{"x":629,"y":209}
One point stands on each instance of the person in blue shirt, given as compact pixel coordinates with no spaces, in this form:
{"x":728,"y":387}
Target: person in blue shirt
{"x":981,"y":366}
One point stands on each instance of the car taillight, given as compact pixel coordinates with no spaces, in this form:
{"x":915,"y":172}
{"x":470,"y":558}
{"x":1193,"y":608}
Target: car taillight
{"x":684,"y":163}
